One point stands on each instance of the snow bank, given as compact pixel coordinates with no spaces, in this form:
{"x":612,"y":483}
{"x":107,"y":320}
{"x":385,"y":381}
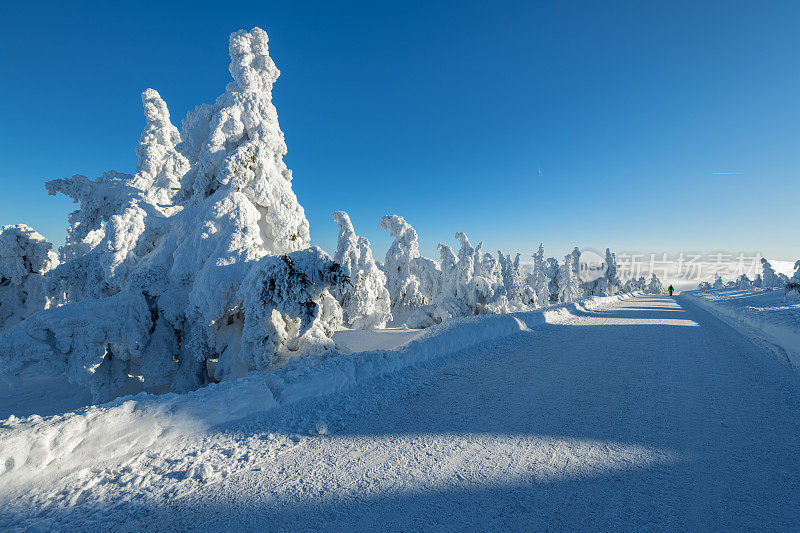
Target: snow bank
{"x":49,"y":446}
{"x":765,"y":315}
{"x":36,"y":446}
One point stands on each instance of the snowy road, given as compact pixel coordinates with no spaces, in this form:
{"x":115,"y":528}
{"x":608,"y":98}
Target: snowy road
{"x":648,"y":414}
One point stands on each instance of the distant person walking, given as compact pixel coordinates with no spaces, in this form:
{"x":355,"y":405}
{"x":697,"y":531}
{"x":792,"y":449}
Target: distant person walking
{"x":670,"y":289}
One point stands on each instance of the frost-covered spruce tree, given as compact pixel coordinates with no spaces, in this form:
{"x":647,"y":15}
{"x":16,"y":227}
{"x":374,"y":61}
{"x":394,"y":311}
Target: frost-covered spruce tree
{"x":517,"y":289}
{"x":480,"y":285}
{"x":238,"y":206}
{"x":448,"y":303}
{"x":179,"y":317}
{"x":584,"y":288}
{"x":365,"y":299}
{"x":769,"y":279}
{"x":569,"y":286}
{"x":118,"y":221}
{"x":160,"y":165}
{"x":403,"y":286}
{"x":287,"y":309}
{"x":538,"y":280}
{"x":718,"y":283}
{"x":757,"y":282}
{"x":551,"y":271}
{"x":635,"y":285}
{"x":412,"y":280}
{"x":704,"y":286}
{"x":609,"y":284}
{"x":654,"y":286}
{"x":25,"y":258}
{"x":793,"y":284}
{"x":743,"y":282}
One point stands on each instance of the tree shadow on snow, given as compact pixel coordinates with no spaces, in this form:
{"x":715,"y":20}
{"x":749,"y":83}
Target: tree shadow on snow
{"x":683,"y":392}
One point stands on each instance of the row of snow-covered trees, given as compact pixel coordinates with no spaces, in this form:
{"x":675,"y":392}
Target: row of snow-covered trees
{"x":767,"y":279}
{"x":424,"y":291}
{"x":199,"y":266}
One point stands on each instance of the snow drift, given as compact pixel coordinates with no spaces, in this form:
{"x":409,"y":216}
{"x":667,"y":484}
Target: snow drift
{"x":47,"y":446}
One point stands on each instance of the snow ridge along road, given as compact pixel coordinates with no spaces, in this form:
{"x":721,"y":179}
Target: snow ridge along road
{"x":649,"y":413}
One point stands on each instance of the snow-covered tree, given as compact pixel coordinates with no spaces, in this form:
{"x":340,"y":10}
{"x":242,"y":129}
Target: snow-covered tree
{"x":538,"y":280}
{"x":584,"y":288}
{"x":163,"y":303}
{"x":480,"y":283}
{"x":365,"y":300}
{"x":758,"y":281}
{"x":287,"y":310}
{"x":796,"y":276}
{"x":569,"y":286}
{"x":160,"y":164}
{"x":407,"y":276}
{"x":704,"y":286}
{"x":635,"y":285}
{"x":793,"y":283}
{"x":118,"y":221}
{"x":718,"y":283}
{"x":769,"y":279}
{"x":654,"y":286}
{"x":517,"y":289}
{"x":611,"y":284}
{"x":743,"y":282}
{"x":25,"y":258}
{"x":551,"y":272}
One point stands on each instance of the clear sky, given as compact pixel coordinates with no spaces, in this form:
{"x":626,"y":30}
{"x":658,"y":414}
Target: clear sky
{"x":645,"y":126}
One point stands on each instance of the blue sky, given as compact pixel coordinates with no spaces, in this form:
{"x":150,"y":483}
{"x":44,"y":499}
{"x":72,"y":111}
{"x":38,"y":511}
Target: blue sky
{"x":644,"y":126}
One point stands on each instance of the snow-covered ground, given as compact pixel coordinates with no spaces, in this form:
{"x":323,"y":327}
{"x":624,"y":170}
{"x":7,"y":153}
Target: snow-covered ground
{"x":39,"y":446}
{"x":645,"y":412}
{"x":769,"y":317}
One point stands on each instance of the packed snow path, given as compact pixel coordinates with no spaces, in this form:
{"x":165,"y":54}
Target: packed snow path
{"x":647,"y":414}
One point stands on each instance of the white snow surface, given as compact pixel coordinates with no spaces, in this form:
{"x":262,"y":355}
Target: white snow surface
{"x":771,"y":317}
{"x":614,"y":413}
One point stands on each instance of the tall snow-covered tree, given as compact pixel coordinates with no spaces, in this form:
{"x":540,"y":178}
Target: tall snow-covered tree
{"x":173,"y":312}
{"x":793,"y":284}
{"x":569,"y":286}
{"x":25,"y":258}
{"x":538,"y":279}
{"x":654,"y":286}
{"x":402,"y":282}
{"x":769,"y":279}
{"x":365,"y":299}
{"x":718,"y":283}
{"x":118,"y":221}
{"x":517,"y":289}
{"x":160,"y":164}
{"x":609,"y":284}
{"x":551,"y":271}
